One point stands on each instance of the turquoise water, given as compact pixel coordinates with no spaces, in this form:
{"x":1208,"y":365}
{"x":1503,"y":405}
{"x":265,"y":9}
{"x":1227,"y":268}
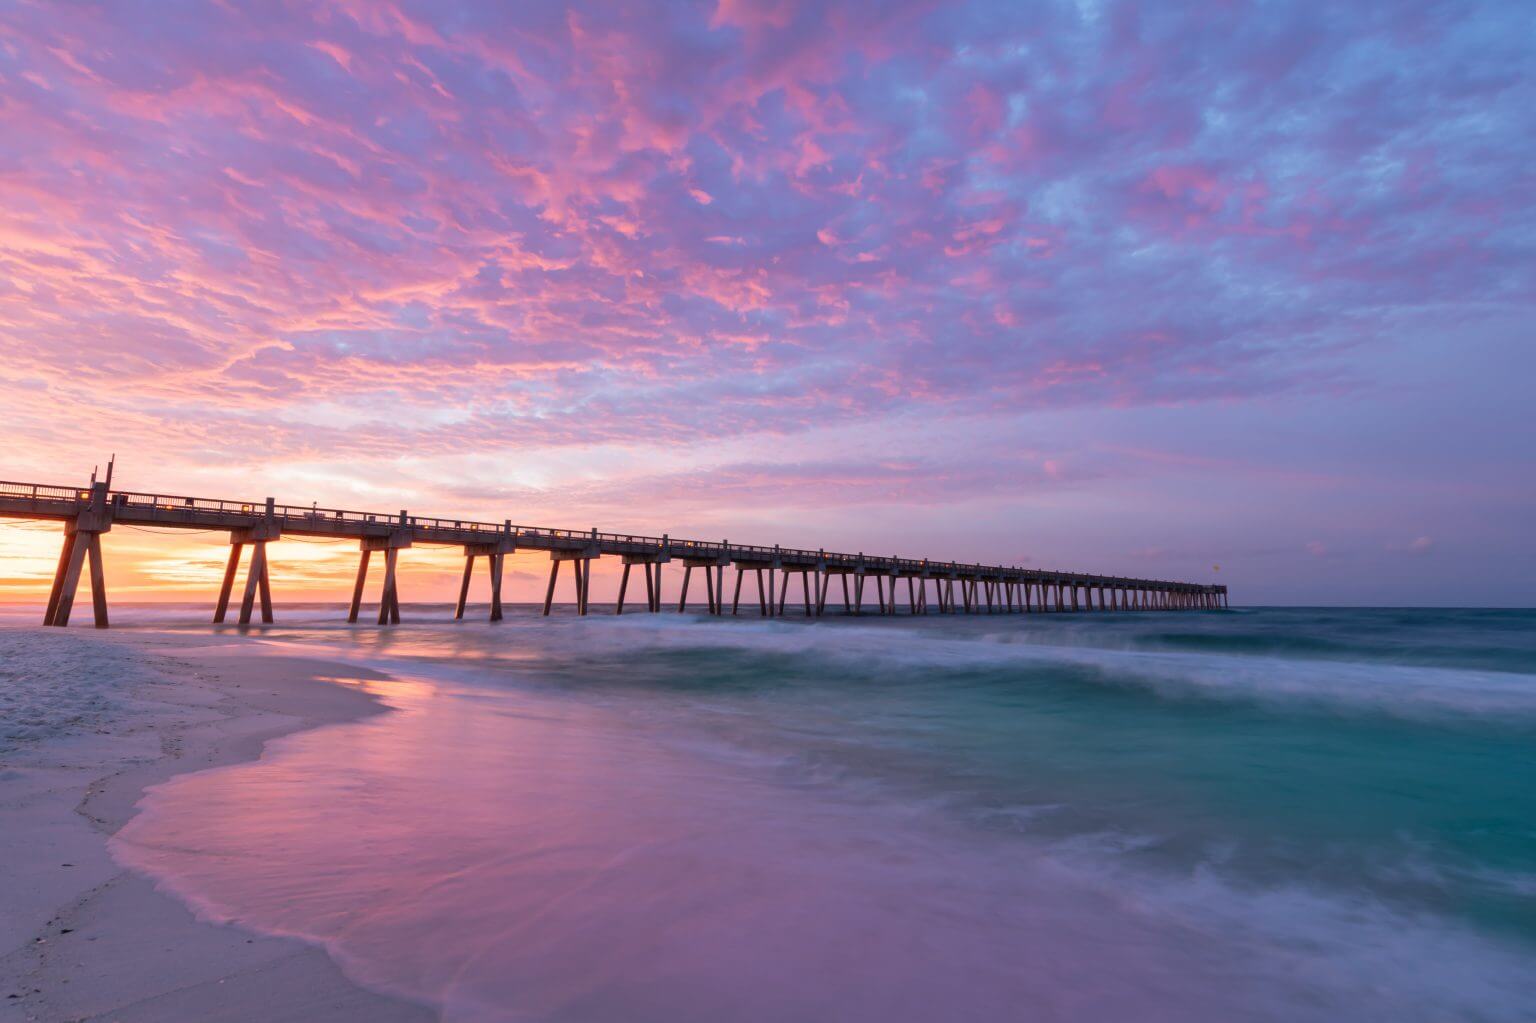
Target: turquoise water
{"x":1330,"y":762}
{"x":1266,"y":814}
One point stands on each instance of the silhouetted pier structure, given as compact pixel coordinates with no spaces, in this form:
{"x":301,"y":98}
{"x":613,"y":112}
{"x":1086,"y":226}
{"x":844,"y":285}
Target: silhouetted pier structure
{"x":88,"y":513}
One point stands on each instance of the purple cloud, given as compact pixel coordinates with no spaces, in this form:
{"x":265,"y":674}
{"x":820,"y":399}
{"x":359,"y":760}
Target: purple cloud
{"x":362,"y":228}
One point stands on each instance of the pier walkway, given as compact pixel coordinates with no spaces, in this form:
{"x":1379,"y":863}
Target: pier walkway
{"x":88,"y":513}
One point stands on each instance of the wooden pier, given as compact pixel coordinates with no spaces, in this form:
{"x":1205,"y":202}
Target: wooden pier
{"x":88,"y":513}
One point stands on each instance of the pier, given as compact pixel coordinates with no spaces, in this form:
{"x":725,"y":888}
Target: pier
{"x":780,"y":580}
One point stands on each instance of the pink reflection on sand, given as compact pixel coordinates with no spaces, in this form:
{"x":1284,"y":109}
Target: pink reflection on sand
{"x":512,"y":855}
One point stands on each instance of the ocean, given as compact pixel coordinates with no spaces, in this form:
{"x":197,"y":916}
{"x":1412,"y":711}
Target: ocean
{"x":1266,"y":814}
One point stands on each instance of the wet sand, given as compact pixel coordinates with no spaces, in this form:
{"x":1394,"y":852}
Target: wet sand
{"x":83,"y":939}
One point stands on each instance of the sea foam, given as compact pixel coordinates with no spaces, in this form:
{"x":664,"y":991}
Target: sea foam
{"x":683,"y":819}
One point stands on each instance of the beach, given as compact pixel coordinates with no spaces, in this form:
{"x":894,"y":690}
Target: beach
{"x":1276,"y":815}
{"x":767,"y":512}
{"x":82,"y":937}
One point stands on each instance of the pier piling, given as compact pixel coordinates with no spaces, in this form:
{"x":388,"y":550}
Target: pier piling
{"x":87,"y":514}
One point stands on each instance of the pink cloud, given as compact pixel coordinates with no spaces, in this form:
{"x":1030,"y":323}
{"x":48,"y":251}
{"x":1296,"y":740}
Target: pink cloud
{"x":520,"y":225}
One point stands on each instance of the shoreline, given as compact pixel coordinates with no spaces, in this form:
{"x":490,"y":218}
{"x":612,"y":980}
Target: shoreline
{"x":552,"y":826}
{"x":83,"y":938}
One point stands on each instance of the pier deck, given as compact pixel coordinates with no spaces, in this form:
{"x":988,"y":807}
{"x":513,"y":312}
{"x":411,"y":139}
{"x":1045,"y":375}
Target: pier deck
{"x":89,"y":512}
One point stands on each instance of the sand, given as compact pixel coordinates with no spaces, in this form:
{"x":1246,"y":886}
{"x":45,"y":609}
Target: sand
{"x":82,"y":938}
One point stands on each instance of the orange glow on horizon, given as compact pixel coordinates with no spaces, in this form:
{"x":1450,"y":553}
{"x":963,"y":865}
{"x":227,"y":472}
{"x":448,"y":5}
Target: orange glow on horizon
{"x":178,"y":567}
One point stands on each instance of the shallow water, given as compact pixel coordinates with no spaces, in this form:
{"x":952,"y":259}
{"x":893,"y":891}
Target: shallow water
{"x":1274,"y":814}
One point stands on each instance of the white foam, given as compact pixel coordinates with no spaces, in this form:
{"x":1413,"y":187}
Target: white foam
{"x":570,"y":861}
{"x":1409,"y":691}
{"x":584,"y":858}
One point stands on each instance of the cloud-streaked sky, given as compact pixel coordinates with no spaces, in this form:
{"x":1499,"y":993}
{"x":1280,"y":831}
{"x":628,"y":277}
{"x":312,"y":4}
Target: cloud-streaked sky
{"x":1129,"y":287}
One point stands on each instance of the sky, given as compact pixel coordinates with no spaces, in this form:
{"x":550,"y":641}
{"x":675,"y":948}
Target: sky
{"x":1227,"y":291}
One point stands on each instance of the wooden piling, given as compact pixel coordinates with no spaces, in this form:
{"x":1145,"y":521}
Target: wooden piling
{"x":469,"y":568}
{"x":228,"y":584}
{"x":1000,"y":589}
{"x":357,"y":588}
{"x":66,"y":551}
{"x":497,"y":564}
{"x":69,"y":580}
{"x":389,"y":600}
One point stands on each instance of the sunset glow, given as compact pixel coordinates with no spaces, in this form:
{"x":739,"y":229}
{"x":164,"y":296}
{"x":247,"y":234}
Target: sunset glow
{"x":746,"y":511}
{"x":1123,"y":287}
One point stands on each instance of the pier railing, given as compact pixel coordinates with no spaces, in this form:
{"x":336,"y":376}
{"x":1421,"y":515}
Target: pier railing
{"x":93,"y":509}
